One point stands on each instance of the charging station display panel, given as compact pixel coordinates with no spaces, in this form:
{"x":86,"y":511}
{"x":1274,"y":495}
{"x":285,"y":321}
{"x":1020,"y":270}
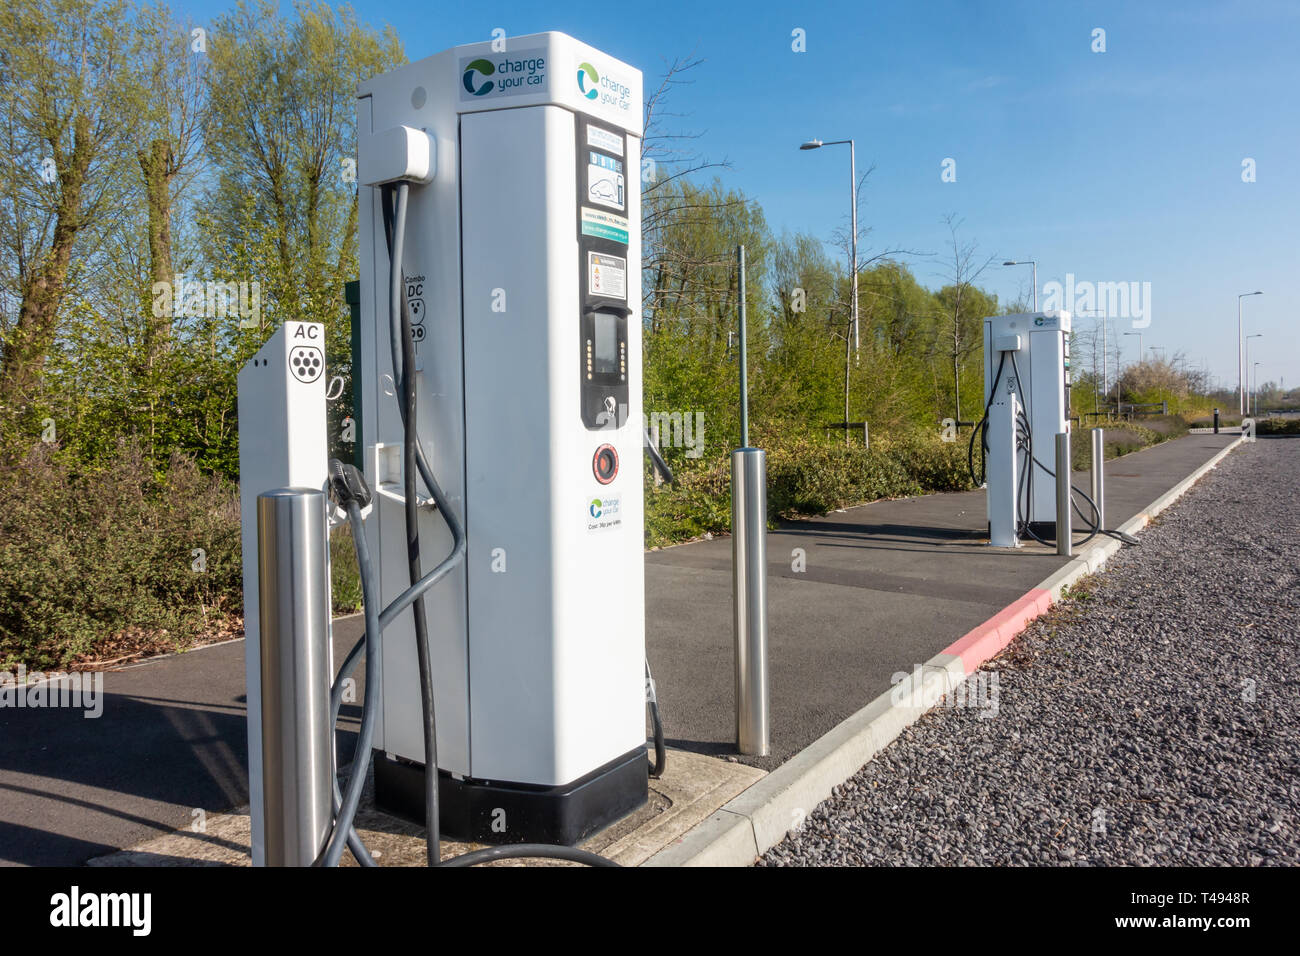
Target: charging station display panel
{"x":602,"y":199}
{"x":1065,"y":395}
{"x":606,"y":362}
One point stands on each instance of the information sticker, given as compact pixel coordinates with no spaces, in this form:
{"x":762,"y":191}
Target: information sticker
{"x":604,"y":225}
{"x":607,"y":275}
{"x":604,"y":139}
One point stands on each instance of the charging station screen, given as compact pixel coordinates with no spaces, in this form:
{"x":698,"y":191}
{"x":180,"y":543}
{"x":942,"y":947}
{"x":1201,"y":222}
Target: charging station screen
{"x":606,"y":344}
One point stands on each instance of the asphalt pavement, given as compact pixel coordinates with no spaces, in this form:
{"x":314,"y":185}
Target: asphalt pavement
{"x":885,"y":586}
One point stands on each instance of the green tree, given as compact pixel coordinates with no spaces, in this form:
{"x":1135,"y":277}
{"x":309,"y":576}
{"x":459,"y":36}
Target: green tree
{"x":803,"y":372}
{"x":170,"y":153}
{"x":282,"y":95}
{"x":963,"y":332}
{"x":70,"y":103}
{"x":691,"y":299}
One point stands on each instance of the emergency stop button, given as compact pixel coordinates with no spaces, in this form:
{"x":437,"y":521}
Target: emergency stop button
{"x":605,"y":464}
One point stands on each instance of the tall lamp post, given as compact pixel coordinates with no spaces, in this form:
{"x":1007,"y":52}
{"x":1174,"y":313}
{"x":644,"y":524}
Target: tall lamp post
{"x":1241,"y":355}
{"x":1250,"y":389}
{"x":1034,"y":280}
{"x":1139,"y":335}
{"x":853,"y":224}
{"x":1254,"y":388}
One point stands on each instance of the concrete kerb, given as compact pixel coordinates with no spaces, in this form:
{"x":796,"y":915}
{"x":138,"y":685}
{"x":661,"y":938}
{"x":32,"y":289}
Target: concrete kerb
{"x":759,"y":818}
{"x":1141,"y":520}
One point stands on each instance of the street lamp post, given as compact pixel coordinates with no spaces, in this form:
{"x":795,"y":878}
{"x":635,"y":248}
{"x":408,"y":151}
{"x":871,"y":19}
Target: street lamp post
{"x":1034,"y":280}
{"x":1254,"y":387}
{"x":1241,"y":356}
{"x":853,"y":241}
{"x":1139,"y":335}
{"x":1250,"y":390}
{"x":853,"y":261}
{"x":853,"y":225}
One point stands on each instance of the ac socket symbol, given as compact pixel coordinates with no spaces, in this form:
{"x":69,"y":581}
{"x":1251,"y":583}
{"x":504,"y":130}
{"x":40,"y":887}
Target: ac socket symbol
{"x":306,"y":363}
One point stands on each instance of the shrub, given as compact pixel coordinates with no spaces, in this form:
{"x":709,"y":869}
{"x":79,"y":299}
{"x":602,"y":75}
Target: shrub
{"x":1278,"y":426}
{"x":807,"y":476}
{"x":1166,"y":426}
{"x":345,"y":576}
{"x":102,"y":563}
{"x":111,"y":561}
{"x":1123,"y":437}
{"x":935,"y":465}
{"x":1207,"y":421}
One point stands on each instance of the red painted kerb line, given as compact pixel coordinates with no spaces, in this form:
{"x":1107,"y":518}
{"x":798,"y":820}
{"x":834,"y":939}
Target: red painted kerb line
{"x":983,"y":642}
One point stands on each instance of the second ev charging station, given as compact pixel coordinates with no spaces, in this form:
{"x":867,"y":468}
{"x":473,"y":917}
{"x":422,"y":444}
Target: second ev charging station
{"x":1027,"y":403}
{"x":520,"y":270}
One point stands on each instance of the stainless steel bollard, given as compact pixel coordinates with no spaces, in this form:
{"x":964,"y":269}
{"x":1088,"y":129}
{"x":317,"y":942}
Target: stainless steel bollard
{"x":1064,"y":534}
{"x":749,"y":594}
{"x":294,"y":595}
{"x":1099,"y":474}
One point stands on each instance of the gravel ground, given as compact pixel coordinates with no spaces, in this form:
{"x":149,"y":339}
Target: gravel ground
{"x":1150,"y":720}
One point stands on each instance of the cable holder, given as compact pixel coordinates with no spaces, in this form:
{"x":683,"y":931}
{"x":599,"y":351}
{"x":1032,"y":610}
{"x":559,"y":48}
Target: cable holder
{"x":387,"y":458}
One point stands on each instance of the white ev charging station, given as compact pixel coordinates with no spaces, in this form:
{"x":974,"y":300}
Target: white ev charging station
{"x":1027,"y":403}
{"x":499,"y":393}
{"x":521,"y":269}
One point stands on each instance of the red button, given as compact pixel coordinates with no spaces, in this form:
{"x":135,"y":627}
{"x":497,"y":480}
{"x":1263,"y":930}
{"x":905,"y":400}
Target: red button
{"x":605,"y":464}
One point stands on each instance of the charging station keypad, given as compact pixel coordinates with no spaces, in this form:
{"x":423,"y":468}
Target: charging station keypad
{"x":603,"y":264}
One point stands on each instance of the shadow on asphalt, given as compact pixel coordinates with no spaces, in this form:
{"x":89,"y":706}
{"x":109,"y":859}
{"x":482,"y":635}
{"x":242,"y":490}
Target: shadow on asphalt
{"x":117,"y":769}
{"x":829,"y":529}
{"x":708,"y":748}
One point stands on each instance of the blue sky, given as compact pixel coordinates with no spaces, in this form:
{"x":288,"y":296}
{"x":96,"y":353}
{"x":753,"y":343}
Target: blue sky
{"x":1117,"y":166}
